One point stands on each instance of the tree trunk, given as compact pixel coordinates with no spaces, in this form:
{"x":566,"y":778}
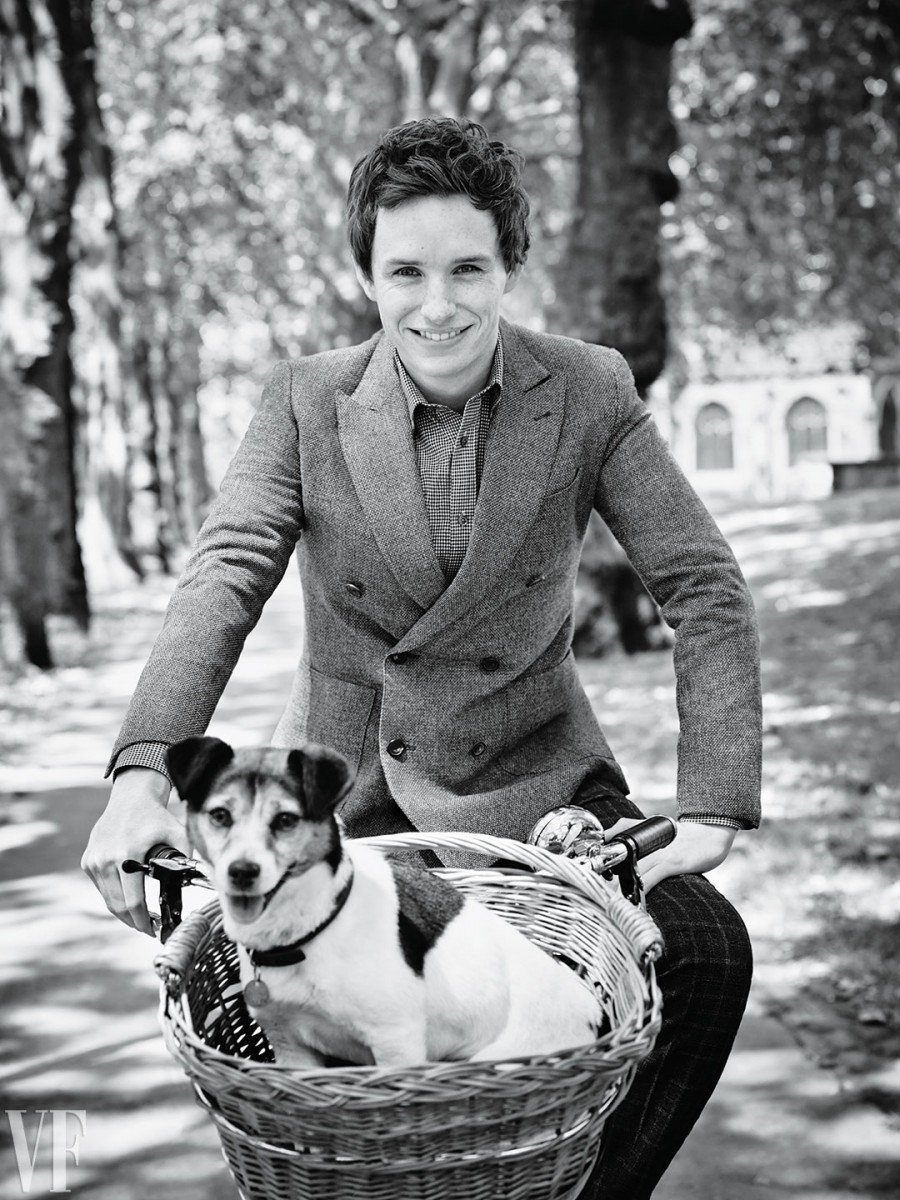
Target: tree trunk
{"x":184,"y":440}
{"x":40,"y":171}
{"x":158,"y":487}
{"x":105,"y":453}
{"x":611,"y":269}
{"x":610,"y":273}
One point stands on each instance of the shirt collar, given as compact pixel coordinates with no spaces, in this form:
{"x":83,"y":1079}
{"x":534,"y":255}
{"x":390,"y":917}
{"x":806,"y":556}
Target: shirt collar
{"x":491,"y":389}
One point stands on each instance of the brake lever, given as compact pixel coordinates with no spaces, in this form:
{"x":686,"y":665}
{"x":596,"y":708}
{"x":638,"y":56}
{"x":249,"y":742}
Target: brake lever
{"x":173,"y":871}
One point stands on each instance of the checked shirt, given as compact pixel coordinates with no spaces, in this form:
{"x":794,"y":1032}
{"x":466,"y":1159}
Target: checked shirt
{"x":450,"y":454}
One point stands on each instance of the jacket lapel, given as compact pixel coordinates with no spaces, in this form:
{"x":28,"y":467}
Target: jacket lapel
{"x":520,"y":452}
{"x":376,"y":439}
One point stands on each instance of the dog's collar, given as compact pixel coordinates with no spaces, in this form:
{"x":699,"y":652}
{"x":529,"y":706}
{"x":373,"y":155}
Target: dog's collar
{"x":287,"y":956}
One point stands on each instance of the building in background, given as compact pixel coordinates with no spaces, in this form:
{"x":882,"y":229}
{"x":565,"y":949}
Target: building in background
{"x":769,"y":422}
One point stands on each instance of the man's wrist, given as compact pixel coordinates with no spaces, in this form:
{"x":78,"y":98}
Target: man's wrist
{"x":709,"y":819}
{"x":151,"y":755}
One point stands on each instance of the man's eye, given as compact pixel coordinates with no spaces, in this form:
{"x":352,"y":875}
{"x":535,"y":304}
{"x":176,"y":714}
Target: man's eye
{"x":470,"y":269}
{"x":284,"y":822}
{"x":406,"y":272}
{"x":220,"y":817}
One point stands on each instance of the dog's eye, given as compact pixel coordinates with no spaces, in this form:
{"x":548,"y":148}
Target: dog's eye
{"x":284,"y":822}
{"x":219,"y":817}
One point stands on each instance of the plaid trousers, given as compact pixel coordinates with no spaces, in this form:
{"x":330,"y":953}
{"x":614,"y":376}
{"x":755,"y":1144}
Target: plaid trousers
{"x":704,"y":974}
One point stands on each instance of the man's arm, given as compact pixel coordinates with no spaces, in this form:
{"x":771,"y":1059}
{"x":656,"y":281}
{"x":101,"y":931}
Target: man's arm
{"x":240,"y":555}
{"x":689,"y":569}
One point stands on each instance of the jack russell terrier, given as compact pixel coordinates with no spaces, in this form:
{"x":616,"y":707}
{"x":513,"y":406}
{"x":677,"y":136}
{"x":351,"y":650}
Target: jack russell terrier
{"x":346,"y":953}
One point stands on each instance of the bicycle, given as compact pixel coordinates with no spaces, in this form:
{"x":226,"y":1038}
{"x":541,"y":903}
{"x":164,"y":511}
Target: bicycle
{"x":526,"y":1128}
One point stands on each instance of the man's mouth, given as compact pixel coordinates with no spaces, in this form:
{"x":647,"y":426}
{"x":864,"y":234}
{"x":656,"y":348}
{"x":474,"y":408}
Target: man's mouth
{"x":448,"y":335}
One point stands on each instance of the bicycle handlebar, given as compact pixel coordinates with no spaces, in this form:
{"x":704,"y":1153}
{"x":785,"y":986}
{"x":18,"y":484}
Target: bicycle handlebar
{"x":173,"y":871}
{"x":571,"y":831}
{"x":576,"y":833}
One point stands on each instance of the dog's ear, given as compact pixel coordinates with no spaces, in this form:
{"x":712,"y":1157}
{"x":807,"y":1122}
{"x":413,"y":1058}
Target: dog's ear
{"x":322,"y":777}
{"x":194,"y":764}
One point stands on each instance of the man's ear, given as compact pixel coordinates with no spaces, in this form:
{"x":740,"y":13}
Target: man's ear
{"x":194,"y":765}
{"x":513,"y":277}
{"x":322,"y":778}
{"x":364,"y":281}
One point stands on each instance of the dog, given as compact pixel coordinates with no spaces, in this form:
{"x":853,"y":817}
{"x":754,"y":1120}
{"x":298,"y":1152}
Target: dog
{"x":347,"y":954}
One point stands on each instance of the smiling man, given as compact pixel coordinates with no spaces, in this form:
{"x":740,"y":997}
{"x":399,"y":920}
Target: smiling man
{"x":436,"y":483}
{"x":438,"y":277}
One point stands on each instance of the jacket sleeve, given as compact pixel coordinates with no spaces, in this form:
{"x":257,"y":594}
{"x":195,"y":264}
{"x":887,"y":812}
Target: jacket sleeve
{"x":687,"y":566}
{"x":239,"y":557}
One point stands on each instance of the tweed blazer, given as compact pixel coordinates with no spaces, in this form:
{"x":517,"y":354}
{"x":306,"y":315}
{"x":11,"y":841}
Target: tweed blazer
{"x":460,"y":701}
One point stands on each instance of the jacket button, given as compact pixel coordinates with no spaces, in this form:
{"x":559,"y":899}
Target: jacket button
{"x":490,"y":664}
{"x":401,"y":656}
{"x":477,"y":750}
{"x":397,"y":749}
{"x":354,"y":587}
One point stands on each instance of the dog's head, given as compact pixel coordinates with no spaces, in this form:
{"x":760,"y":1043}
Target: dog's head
{"x":259,"y":816}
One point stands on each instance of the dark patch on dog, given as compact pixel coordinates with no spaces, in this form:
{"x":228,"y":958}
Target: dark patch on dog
{"x":336,"y":850}
{"x":320,"y":777}
{"x":427,"y":905}
{"x":194,"y":765}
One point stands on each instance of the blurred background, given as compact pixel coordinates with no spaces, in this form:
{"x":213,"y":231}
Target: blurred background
{"x":715,"y":191}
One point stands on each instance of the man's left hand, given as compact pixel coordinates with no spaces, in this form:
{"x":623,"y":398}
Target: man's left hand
{"x":696,"y":848}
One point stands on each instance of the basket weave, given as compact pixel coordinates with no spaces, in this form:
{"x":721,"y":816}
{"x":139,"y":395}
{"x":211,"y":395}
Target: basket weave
{"x":525,"y":1129}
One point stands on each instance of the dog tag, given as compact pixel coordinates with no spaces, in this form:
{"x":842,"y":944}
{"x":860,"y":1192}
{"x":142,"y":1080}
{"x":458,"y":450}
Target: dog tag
{"x":256,"y":993}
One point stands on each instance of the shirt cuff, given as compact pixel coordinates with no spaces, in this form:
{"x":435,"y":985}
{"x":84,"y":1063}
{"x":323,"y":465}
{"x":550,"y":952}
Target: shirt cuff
{"x":703,"y":819}
{"x":143,"y":754}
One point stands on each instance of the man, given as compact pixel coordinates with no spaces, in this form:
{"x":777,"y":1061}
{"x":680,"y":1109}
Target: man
{"x":436,"y":483}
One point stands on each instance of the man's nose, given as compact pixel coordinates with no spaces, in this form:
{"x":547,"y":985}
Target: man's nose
{"x":438,"y":304}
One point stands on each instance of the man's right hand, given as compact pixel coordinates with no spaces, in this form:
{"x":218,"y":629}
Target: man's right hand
{"x":134,"y":821}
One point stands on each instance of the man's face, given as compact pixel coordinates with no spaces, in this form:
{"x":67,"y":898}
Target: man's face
{"x":438,"y":279}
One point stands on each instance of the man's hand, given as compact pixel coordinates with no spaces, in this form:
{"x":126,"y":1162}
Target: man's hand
{"x":697,"y":848}
{"x":135,"y":820}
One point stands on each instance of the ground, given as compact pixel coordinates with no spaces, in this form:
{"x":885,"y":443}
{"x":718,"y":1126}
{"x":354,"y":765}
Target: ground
{"x":818,"y":883}
{"x":810,"y":1104}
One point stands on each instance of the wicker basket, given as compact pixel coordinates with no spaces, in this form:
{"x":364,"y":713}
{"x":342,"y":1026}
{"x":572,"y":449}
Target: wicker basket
{"x":526,"y":1129}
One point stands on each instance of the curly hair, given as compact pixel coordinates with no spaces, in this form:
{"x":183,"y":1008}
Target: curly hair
{"x":439,"y":156}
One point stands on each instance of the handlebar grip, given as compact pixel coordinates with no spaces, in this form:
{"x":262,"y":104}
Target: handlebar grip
{"x":162,"y":850}
{"x":650,"y":835}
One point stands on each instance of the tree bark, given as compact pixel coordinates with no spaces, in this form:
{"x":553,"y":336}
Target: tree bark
{"x":610,"y":273}
{"x":40,"y":172}
{"x":105,"y":454}
{"x":611,"y":270}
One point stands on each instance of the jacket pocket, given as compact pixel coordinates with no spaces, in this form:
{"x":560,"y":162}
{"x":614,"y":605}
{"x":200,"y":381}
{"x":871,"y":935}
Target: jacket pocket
{"x":333,"y":712}
{"x":539,"y":711}
{"x":560,"y":489}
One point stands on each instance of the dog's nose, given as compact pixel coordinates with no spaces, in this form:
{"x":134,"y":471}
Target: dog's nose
{"x":243,"y":873}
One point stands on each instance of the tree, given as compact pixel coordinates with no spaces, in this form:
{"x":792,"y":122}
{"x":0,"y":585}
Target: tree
{"x":788,"y":216}
{"x":55,"y":196}
{"x":612,"y":290}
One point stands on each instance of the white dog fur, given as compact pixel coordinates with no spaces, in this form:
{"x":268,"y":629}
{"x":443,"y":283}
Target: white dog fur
{"x":407,"y":971}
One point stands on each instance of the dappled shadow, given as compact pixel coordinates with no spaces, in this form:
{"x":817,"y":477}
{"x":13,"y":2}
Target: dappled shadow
{"x":777,"y":1128}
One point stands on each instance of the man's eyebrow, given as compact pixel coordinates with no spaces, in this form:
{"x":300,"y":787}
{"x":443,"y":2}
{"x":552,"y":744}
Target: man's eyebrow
{"x":478,"y":259}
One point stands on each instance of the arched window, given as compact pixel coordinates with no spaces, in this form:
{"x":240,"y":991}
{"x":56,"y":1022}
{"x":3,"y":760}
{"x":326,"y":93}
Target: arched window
{"x":715,"y":450}
{"x":888,"y":442}
{"x":807,"y":430}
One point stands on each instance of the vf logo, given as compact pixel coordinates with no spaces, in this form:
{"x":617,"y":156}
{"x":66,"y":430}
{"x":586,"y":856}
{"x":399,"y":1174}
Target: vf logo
{"x":66,"y":1129}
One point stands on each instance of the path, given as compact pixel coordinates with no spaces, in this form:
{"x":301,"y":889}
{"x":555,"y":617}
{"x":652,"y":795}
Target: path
{"x":79,"y":1027}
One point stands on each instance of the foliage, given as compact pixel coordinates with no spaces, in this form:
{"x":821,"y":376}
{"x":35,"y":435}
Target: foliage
{"x":235,"y":127}
{"x":789,"y":117}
